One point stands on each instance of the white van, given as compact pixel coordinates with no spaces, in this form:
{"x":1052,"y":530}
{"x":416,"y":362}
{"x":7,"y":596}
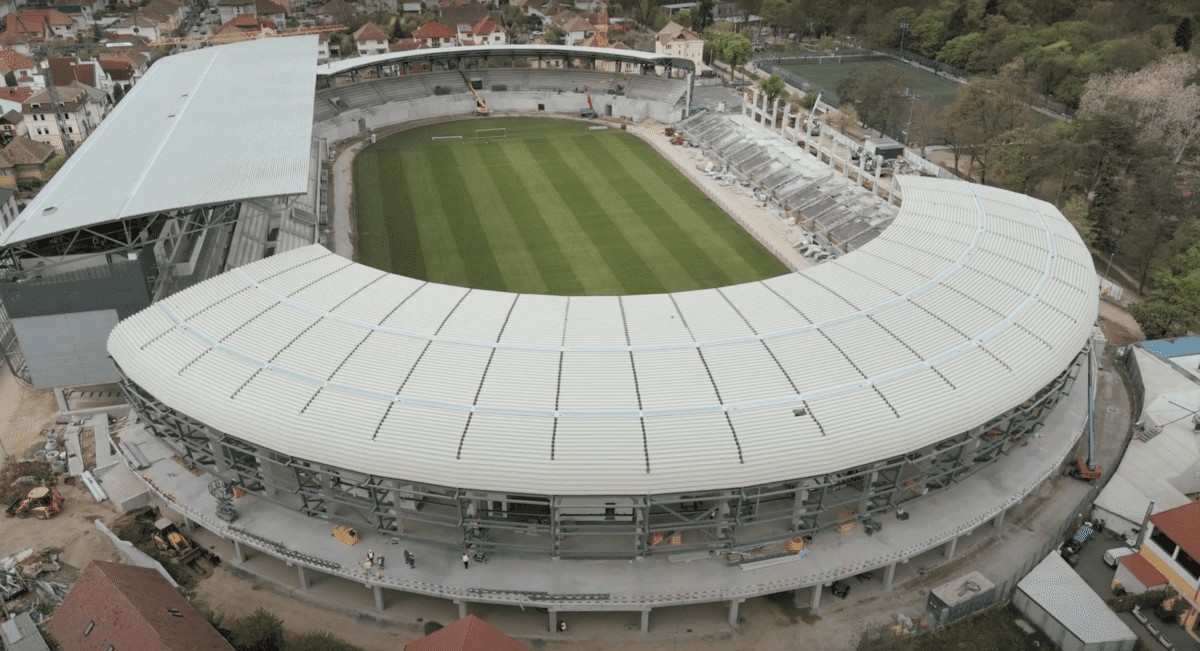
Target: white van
{"x":1115,"y":553}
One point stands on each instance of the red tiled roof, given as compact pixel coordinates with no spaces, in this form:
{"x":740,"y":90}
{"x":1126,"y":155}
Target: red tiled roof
{"x":1141,"y":569}
{"x":467,"y":634}
{"x":269,"y":7}
{"x":13,"y":60}
{"x":133,"y":608}
{"x":405,"y":44}
{"x":486,"y":25}
{"x":15,"y":93}
{"x":433,"y":30}
{"x":66,"y":69}
{"x":370,"y":32}
{"x":23,"y":150}
{"x":246,"y":22}
{"x":1181,"y":524}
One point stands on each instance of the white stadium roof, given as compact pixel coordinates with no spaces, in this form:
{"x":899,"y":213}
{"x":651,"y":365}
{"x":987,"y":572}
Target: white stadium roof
{"x":967,"y":305}
{"x":205,"y":127}
{"x":504,"y":51}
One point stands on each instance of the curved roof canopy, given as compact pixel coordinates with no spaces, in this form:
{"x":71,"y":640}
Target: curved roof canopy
{"x":427,"y":55}
{"x":205,"y":127}
{"x":968,"y":304}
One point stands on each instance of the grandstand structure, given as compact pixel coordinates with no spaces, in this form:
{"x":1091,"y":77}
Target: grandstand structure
{"x":680,"y":442}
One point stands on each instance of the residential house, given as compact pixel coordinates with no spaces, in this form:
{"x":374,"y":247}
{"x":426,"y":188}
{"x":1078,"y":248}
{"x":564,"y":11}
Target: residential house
{"x":7,"y":7}
{"x":486,"y":31}
{"x":20,"y":70}
{"x":11,"y":97}
{"x":228,"y":9}
{"x":166,"y":13}
{"x":1171,"y":543}
{"x":81,"y":11}
{"x":245,"y":23}
{"x":276,"y":11}
{"x":119,"y":606}
{"x":324,"y":53}
{"x":411,"y":6}
{"x":405,"y":45}
{"x":124,"y":68}
{"x":8,"y":199}
{"x":19,"y":41}
{"x":28,"y":159}
{"x":467,"y":634}
{"x":32,"y":23}
{"x":370,"y":39}
{"x":435,"y":34}
{"x":12,"y":124}
{"x":676,"y":40}
{"x":575,"y":28}
{"x":464,"y":13}
{"x":137,"y":25}
{"x":64,"y":70}
{"x":81,"y":106}
{"x":335,"y":11}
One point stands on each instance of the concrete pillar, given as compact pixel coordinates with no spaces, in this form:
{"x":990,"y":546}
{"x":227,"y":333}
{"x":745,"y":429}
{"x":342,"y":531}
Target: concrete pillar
{"x":189,"y":525}
{"x":733,"y":612}
{"x":787,"y":116}
{"x":379,"y":605}
{"x":301,"y":575}
{"x":553,"y":620}
{"x":462,"y":608}
{"x":998,"y":521}
{"x":951,"y":547}
{"x":60,"y":399}
{"x":815,"y":605}
{"x":889,"y":575}
{"x":645,"y":621}
{"x":774,"y":112}
{"x":743,"y":104}
{"x":691,"y":84}
{"x":237,"y":552}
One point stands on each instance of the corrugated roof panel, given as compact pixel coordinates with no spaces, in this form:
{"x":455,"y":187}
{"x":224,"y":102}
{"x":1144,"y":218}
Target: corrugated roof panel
{"x":594,"y":321}
{"x":673,"y":378}
{"x":764,"y":309}
{"x":582,"y":446}
{"x":745,"y":371}
{"x":537,"y":320}
{"x":426,"y":310}
{"x":350,"y":282}
{"x":811,"y":361}
{"x":381,"y":361}
{"x":710,"y":317}
{"x":320,"y":349}
{"x":594,"y":381}
{"x":521,"y":378}
{"x":480,"y":316}
{"x":449,"y":372}
{"x":377,"y":300}
{"x":512,"y":439}
{"x":159,"y":150}
{"x":653,"y":319}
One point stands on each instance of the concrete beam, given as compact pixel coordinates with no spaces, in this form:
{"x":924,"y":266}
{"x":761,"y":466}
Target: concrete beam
{"x":889,"y":575}
{"x":733,"y":612}
{"x":303,"y":577}
{"x":553,"y":620}
{"x":60,"y":399}
{"x":645,"y":621}
{"x":815,"y":605}
{"x":998,"y":521}
{"x":379,"y":604}
{"x":238,"y":553}
{"x":462,"y":608}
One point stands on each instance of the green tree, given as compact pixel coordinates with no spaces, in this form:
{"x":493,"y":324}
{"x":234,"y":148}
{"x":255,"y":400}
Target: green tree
{"x":1172,"y":307}
{"x":776,"y":13}
{"x":773,"y":87}
{"x":983,"y":110}
{"x":1184,"y":34}
{"x":878,"y":97}
{"x":703,"y":16}
{"x":732,"y":48}
{"x":259,"y":631}
{"x":683,"y":17}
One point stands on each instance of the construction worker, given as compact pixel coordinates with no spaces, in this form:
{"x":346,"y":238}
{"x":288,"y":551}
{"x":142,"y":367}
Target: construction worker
{"x":466,"y":561}
{"x":379,"y":560}
{"x":371,"y":556}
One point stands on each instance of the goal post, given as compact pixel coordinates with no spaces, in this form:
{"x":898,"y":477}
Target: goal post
{"x":440,"y":138}
{"x":491,"y":134}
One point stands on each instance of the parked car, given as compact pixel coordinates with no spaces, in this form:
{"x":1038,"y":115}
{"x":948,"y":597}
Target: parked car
{"x":1113,"y":555}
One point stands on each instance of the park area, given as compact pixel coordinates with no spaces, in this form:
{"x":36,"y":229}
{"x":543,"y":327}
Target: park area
{"x":543,"y":206}
{"x":827,"y":72}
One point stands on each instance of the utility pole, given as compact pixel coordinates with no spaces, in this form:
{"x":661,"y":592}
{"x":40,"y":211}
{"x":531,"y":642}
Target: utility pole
{"x":903,"y":33}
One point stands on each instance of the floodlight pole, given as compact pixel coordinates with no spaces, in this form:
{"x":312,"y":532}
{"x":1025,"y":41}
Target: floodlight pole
{"x":903,"y":33}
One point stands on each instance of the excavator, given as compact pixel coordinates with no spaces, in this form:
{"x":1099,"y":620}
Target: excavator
{"x":590,"y":111}
{"x":481,"y":107}
{"x":44,"y":502}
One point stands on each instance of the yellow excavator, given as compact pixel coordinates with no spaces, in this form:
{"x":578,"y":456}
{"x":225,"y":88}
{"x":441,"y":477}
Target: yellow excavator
{"x":481,"y":107}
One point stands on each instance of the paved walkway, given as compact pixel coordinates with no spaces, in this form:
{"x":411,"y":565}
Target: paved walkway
{"x":341,"y":193}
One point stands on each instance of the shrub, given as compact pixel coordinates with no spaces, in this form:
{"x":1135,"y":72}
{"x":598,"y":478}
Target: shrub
{"x":319,"y":641}
{"x":259,"y":631}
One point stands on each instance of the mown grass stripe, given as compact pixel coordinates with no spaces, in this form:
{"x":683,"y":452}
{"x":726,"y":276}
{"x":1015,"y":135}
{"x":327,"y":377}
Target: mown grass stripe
{"x":659,"y":211}
{"x":517,"y":265}
{"x":723,"y":227}
{"x":633,"y":272}
{"x":552,"y":259}
{"x":467,"y":234}
{"x":387,"y":229}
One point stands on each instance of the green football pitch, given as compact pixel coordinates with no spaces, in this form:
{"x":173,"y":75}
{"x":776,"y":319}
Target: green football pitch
{"x":552,"y":208}
{"x":931,"y":88}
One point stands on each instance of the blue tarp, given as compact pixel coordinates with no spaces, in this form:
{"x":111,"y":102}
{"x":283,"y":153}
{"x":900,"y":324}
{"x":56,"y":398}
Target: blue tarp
{"x":1176,"y":347}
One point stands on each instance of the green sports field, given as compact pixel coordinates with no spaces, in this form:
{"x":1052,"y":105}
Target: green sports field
{"x":551,"y":209}
{"x":931,"y":88}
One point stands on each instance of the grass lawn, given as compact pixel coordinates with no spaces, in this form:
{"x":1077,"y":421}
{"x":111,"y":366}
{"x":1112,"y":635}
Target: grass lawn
{"x":552,"y":209}
{"x":931,"y":88}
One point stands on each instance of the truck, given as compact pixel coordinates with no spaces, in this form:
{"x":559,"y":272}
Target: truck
{"x":1082,"y":536}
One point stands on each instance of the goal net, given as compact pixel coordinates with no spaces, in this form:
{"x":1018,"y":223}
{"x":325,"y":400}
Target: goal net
{"x":491,"y":134}
{"x":439,"y":138}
